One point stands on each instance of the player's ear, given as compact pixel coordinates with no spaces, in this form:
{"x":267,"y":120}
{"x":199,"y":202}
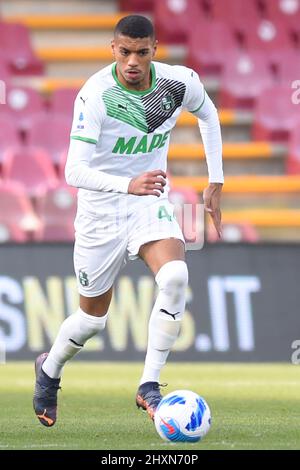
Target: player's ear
{"x":155,"y":42}
{"x":112,"y":44}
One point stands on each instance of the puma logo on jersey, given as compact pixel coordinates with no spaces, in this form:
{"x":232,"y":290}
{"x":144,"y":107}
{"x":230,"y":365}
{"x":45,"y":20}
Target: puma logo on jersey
{"x":121,"y":106}
{"x":168,"y":313}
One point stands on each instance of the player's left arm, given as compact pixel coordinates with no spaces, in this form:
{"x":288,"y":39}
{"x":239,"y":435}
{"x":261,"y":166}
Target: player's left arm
{"x":199,"y":103}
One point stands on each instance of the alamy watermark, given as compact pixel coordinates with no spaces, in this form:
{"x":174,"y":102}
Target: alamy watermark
{"x":295,"y":357}
{"x":296,"y":94}
{"x":134,"y":223}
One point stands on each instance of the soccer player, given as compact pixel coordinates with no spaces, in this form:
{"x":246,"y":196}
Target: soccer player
{"x":123,"y":117}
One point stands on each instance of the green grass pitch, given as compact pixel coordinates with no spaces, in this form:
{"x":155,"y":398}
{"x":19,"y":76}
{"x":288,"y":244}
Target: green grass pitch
{"x":254,"y":406}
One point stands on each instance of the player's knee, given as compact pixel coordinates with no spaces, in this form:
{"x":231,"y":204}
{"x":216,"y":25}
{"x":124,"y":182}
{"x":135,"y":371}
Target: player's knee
{"x":96,"y":306}
{"x":172,"y":278}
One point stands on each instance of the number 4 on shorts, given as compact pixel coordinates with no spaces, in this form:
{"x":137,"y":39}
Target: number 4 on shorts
{"x":162,"y":212}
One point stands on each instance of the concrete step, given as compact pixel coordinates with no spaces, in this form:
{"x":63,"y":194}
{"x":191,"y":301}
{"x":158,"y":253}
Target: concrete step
{"x":252,"y":158}
{"x":45,"y":38}
{"x":246,"y":184}
{"x":275,"y":234}
{"x":273,"y":201}
{"x":261,"y":217}
{"x":83,"y":61}
{"x":70,"y":7}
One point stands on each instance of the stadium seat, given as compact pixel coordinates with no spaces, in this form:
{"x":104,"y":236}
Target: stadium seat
{"x":173,"y":19}
{"x":274,"y":114}
{"x":269,"y":37}
{"x":22,"y":103}
{"x":57,"y":210}
{"x":5,"y":74}
{"x":62,"y":101}
{"x":206,"y":46}
{"x":233,"y":233}
{"x":285,"y":11}
{"x":8,"y":134}
{"x":30,"y":166}
{"x":18,"y":221}
{"x":136,"y":5}
{"x":289,"y":68}
{"x":51,"y":132}
{"x":243,"y":78}
{"x":16,"y":45}
{"x":293,"y":160}
{"x":231,"y":11}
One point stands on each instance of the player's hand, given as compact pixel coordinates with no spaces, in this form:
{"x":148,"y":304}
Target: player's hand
{"x":212,"y":199}
{"x":148,"y":184}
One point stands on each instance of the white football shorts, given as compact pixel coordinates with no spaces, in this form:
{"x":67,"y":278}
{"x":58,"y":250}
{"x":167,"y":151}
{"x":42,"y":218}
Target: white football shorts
{"x":103,"y":245}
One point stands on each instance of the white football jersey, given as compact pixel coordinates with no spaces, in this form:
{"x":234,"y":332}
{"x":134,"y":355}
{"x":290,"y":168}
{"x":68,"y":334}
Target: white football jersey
{"x":131,"y":129}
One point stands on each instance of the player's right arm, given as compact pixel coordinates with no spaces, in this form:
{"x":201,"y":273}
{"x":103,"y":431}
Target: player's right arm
{"x":79,"y":174}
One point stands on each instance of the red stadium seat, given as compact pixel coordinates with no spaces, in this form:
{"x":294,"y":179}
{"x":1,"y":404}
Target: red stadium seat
{"x":8,"y":134}
{"x":206,"y":47}
{"x":63,"y":101}
{"x":244,"y":77}
{"x":269,"y":37}
{"x":16,"y":45}
{"x":51,"y":132}
{"x":30,"y":166}
{"x":275,"y":114}
{"x":136,"y":5}
{"x":18,"y":220}
{"x":232,"y":11}
{"x":293,"y":160}
{"x":285,"y":11}
{"x":233,"y":233}
{"x":57,"y":210}
{"x":22,"y":103}
{"x":173,"y":19}
{"x":5,"y":74}
{"x":289,"y":67}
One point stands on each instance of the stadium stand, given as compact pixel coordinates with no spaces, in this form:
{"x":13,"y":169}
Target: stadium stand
{"x":62,"y":101}
{"x":22,"y":103}
{"x":289,"y":68}
{"x":284,"y":11}
{"x":234,"y":232}
{"x":273,"y":39}
{"x":18,"y":221}
{"x":173,"y":20}
{"x":136,"y":5}
{"x":231,"y":12}
{"x":57,"y":209}
{"x":293,"y":159}
{"x":17,"y":49}
{"x":8,"y":134}
{"x":275,"y":114}
{"x":244,"y":77}
{"x":248,"y":68}
{"x":50,"y":131}
{"x":30,"y":166}
{"x":4,"y":68}
{"x":206,"y":46}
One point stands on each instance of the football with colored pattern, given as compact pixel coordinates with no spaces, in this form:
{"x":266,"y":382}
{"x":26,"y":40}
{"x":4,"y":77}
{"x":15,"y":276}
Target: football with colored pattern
{"x":182,"y":416}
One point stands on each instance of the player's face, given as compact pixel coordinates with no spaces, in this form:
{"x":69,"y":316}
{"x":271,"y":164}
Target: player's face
{"x":133,"y":58}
